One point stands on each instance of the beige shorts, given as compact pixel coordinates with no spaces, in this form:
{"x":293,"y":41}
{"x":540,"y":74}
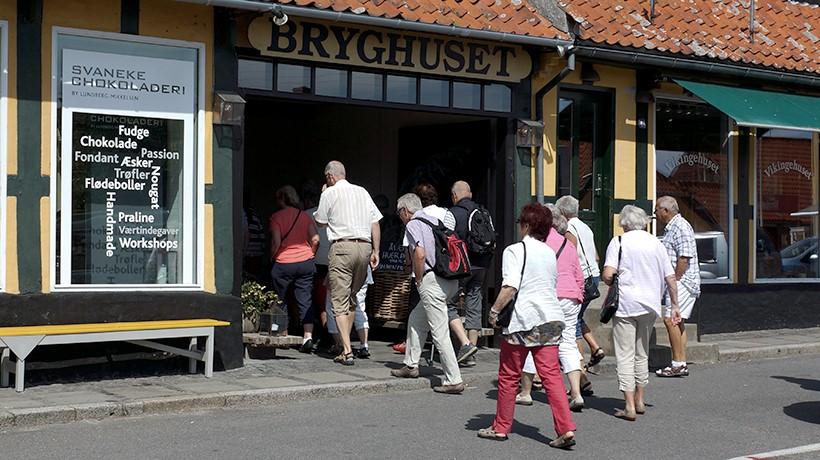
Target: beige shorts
{"x":686,"y":302}
{"x":347,"y":273}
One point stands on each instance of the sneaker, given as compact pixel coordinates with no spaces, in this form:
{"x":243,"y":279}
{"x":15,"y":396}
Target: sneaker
{"x":465,"y":352}
{"x":344,"y":359}
{"x":406,"y":372}
{"x":363,"y":353}
{"x":673,"y":371}
{"x":455,"y":389}
{"x":307,"y":346}
{"x":469,"y":362}
{"x":400,"y":347}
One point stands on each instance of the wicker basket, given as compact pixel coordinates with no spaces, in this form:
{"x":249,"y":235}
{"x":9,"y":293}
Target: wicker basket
{"x":388,"y":298}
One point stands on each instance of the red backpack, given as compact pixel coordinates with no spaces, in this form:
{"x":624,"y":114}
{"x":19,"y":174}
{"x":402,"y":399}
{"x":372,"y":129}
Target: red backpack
{"x":452,"y":261}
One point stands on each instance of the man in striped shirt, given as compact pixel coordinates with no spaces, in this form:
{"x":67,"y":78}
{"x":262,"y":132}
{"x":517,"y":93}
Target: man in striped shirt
{"x":352,"y":221}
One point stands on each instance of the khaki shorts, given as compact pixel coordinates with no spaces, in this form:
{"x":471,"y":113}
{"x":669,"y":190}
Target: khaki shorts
{"x":347,"y":273}
{"x":686,"y":302}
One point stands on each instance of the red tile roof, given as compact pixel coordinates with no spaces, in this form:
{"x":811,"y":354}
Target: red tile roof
{"x":507,"y":16}
{"x":786,"y":34}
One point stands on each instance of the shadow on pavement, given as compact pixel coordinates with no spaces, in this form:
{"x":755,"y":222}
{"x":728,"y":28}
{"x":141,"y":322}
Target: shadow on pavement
{"x":806,"y":384}
{"x":522,"y":429}
{"x":804,"y":411}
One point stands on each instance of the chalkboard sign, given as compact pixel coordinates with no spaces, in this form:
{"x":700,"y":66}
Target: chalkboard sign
{"x":392,"y":257}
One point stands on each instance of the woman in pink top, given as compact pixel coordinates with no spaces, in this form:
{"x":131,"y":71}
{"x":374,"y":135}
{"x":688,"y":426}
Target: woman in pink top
{"x":294,"y":241}
{"x":570,"y":290}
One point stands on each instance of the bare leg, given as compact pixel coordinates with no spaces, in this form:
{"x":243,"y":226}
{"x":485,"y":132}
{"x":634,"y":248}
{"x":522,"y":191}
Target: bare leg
{"x":458,"y":329}
{"x":683,"y":341}
{"x":590,"y":339}
{"x":674,"y":339}
{"x":574,"y":378}
{"x":526,"y":384}
{"x":472,"y":334}
{"x":308,"y":331}
{"x":640,"y":403}
{"x":345,"y":324}
{"x":629,"y":399}
{"x":363,"y":333}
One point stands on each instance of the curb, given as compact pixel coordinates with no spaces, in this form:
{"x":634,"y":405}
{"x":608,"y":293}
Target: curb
{"x":19,"y":418}
{"x":767,"y":352}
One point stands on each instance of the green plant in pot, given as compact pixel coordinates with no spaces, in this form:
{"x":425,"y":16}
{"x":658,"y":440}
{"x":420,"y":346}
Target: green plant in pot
{"x":256,"y":300}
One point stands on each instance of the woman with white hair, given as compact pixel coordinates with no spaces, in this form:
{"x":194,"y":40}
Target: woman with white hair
{"x":642,"y":267}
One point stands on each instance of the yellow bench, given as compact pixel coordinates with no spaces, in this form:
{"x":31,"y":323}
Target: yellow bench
{"x":22,"y":340}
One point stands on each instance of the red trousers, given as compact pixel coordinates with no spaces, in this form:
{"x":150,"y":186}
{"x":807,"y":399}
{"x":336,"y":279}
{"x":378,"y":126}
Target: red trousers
{"x":509,"y":373}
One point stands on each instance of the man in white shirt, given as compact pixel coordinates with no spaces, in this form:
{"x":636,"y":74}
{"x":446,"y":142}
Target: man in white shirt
{"x":352,"y":222}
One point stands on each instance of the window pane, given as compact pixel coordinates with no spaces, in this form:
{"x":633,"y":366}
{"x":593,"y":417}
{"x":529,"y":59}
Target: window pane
{"x":256,"y":75}
{"x":497,"y":98}
{"x":401,"y":89}
{"x":366,"y":86}
{"x":786,"y":205}
{"x":435,"y":92}
{"x":292,"y":78}
{"x":694,"y":169}
{"x":466,"y":96}
{"x":331,"y":82}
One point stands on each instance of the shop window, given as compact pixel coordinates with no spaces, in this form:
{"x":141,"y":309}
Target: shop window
{"x":435,"y":92}
{"x":466,"y":96}
{"x":692,"y":166}
{"x":255,"y":75}
{"x":4,"y":71}
{"x":331,"y":82}
{"x":786,"y":230}
{"x":565,"y":118}
{"x":497,"y":98}
{"x":293,"y":79}
{"x":128,"y":177}
{"x":401,"y":89}
{"x":366,"y":86}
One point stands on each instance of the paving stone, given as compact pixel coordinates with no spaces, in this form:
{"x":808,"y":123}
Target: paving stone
{"x":6,"y":420}
{"x":208,"y":387}
{"x":43,"y":415}
{"x":99,"y":410}
{"x":327,"y":377}
{"x":182,"y":403}
{"x":70,"y":398}
{"x":142,"y":392}
{"x":19,"y":401}
{"x":372,"y":373}
{"x":269,"y":382}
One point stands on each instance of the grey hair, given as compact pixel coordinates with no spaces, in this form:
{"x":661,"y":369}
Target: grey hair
{"x":409,"y":201}
{"x":633,"y":218}
{"x":336,"y":169}
{"x":568,"y":205}
{"x":559,"y":222}
{"x":669,"y":203}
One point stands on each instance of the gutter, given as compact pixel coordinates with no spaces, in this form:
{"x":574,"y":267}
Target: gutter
{"x":712,"y":68}
{"x":338,"y":16}
{"x":539,"y":116}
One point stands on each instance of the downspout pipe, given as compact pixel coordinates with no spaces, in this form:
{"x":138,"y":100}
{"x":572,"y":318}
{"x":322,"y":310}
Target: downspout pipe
{"x":706,"y":68}
{"x":539,"y":115}
{"x":363,"y":19}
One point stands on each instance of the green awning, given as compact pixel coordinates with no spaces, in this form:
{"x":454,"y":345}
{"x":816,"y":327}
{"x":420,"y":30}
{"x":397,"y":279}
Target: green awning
{"x":767,"y":109}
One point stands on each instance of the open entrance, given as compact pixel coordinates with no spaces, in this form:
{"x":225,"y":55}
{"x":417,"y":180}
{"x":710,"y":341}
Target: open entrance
{"x":384,"y":149}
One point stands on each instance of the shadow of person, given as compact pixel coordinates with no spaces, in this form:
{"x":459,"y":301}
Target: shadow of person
{"x":605,"y":405}
{"x":806,"y":384}
{"x":522,"y":429}
{"x":804,"y":411}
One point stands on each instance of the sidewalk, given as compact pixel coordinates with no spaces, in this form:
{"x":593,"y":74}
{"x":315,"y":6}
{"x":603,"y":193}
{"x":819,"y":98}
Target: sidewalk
{"x":146,"y":387}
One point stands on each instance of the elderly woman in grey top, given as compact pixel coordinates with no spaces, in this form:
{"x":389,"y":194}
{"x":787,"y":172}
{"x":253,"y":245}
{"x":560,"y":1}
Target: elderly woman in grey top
{"x":642,"y":267}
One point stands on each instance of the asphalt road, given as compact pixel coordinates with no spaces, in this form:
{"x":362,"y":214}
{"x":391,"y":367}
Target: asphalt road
{"x":719,"y":412}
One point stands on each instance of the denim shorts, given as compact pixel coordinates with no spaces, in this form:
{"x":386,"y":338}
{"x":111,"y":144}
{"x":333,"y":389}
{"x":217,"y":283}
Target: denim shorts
{"x":579,"y":326}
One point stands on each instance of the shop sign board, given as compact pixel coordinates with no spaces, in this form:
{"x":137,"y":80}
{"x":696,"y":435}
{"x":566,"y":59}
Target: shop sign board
{"x":127,"y":138}
{"x":397,"y":50}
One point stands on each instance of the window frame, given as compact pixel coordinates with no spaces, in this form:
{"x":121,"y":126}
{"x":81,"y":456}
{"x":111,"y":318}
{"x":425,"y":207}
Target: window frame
{"x":755,"y":205}
{"x":196,"y":169}
{"x":728,"y":130}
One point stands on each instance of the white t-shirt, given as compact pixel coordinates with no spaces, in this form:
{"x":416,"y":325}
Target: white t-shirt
{"x":642,"y":273}
{"x":537,"y":301}
{"x":348,"y":211}
{"x":322,"y":254}
{"x":586,"y":239}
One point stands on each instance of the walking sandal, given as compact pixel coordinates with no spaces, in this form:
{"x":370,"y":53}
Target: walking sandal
{"x":490,"y":433}
{"x":565,"y":441}
{"x":596,"y":357}
{"x":344,"y":359}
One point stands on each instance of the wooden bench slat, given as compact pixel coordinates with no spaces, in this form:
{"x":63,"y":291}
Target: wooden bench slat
{"x":108,"y":327}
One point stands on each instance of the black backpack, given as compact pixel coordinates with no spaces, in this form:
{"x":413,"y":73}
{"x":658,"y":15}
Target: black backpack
{"x":452,"y":261}
{"x":480,"y":230}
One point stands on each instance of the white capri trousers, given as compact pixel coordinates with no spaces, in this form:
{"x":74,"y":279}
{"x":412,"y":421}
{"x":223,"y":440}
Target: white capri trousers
{"x":359,"y":315}
{"x":568,"y":352}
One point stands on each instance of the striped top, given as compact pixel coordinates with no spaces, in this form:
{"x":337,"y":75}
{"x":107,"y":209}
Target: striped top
{"x":348,"y":211}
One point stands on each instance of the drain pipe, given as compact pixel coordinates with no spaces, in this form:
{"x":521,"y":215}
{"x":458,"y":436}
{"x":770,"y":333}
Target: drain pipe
{"x":539,"y":116}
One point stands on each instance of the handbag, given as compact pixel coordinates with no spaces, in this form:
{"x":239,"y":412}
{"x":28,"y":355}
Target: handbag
{"x":610,"y":305}
{"x":505,"y":315}
{"x":591,"y":291}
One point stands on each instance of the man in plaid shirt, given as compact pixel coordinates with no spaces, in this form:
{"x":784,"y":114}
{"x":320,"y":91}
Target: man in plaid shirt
{"x":679,"y":240}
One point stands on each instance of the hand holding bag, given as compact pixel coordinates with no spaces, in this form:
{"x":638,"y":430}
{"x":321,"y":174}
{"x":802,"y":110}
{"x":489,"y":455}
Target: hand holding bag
{"x":613,"y":295}
{"x":505,"y":315}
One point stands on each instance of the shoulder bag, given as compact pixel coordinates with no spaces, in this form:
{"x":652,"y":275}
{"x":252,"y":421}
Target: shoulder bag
{"x":591,"y":291}
{"x":610,"y":305}
{"x":505,"y":315}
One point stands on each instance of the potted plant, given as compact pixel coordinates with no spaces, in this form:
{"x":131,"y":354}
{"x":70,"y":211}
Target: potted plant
{"x":255,"y":300}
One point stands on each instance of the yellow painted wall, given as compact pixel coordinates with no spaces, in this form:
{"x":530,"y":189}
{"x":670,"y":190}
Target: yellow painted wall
{"x":8,"y":13}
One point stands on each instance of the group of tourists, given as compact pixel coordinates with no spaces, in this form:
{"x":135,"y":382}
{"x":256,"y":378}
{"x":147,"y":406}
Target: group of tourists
{"x":549,"y":278}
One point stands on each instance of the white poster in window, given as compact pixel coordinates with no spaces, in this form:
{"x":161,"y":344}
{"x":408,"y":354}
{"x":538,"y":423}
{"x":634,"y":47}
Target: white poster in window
{"x":127,"y":125}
